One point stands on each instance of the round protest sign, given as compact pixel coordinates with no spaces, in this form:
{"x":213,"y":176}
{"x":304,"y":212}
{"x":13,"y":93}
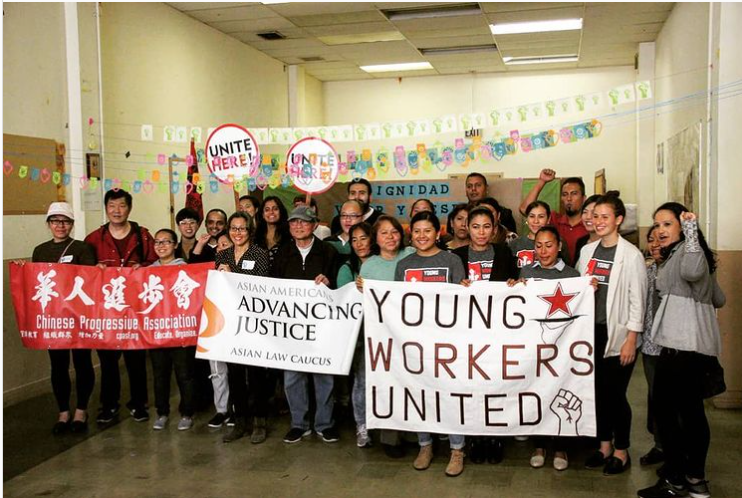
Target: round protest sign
{"x":232,"y":153}
{"x":312,"y":165}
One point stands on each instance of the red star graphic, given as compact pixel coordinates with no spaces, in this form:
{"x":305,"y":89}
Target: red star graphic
{"x":559,"y":301}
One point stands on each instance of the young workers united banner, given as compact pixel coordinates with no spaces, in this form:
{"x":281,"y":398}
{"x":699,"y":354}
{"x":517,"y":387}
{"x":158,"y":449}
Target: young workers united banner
{"x":60,"y":306}
{"x":487,"y":359}
{"x":285,"y":324}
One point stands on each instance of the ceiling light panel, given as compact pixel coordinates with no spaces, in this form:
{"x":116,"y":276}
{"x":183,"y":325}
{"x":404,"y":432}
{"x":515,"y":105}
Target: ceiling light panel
{"x":390,"y":68}
{"x":433,"y":12}
{"x":535,"y":26}
{"x":544,"y":59}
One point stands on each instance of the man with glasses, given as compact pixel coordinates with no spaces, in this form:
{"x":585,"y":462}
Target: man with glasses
{"x":351,"y":213}
{"x":122,"y":243}
{"x":359,"y":190}
{"x":307,"y":258}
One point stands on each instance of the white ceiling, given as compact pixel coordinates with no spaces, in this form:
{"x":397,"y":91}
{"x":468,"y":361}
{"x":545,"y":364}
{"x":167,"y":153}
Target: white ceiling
{"x":610,"y":35}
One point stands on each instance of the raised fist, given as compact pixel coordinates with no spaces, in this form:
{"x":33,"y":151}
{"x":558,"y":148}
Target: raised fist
{"x":568,"y":407}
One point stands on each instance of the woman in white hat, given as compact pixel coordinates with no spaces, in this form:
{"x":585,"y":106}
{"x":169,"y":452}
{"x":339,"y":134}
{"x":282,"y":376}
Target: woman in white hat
{"x":64,"y":249}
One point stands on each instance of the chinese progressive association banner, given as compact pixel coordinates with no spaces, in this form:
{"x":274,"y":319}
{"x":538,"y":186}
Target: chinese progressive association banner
{"x":284,"y":324}
{"x":59,"y":306}
{"x":487,"y":359}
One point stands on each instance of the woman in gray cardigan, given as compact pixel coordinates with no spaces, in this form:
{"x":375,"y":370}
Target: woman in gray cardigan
{"x":685,"y":326}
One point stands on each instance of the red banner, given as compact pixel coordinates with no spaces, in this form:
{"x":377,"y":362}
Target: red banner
{"x":60,"y":306}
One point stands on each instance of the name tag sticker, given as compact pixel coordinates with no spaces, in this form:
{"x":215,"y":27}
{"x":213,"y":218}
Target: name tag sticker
{"x":248,"y":265}
{"x":66,"y":259}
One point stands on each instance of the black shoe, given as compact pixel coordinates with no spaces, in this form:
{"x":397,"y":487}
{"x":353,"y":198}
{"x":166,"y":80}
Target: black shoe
{"x":654,"y":456}
{"x":296,"y":434}
{"x":393,"y":451}
{"x":330,"y":435}
{"x":61,"y":427}
{"x":139,"y":414}
{"x":595,"y":461}
{"x":79,"y":426}
{"x":230,"y":420}
{"x":217,"y":420}
{"x":495,"y":449}
{"x":238,"y":431}
{"x":664,"y":489}
{"x":107,"y":415}
{"x":699,"y":489}
{"x":477,"y":450}
{"x":615,"y":466}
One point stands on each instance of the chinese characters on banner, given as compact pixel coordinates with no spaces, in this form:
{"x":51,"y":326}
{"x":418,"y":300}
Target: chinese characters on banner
{"x":487,"y":359}
{"x":62,"y":306}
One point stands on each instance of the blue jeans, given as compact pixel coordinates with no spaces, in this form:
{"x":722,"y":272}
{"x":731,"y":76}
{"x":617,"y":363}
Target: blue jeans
{"x":359,"y":389}
{"x":297,"y":394}
{"x":456,"y":441}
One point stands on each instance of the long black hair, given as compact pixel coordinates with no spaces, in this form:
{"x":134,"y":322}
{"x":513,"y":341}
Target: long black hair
{"x":354,"y":262}
{"x":677,"y":209}
{"x":282,"y":228}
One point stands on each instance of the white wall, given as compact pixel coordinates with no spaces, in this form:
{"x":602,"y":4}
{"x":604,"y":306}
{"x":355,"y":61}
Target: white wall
{"x":729,"y":149}
{"x":162,"y":67}
{"x":430,"y":97}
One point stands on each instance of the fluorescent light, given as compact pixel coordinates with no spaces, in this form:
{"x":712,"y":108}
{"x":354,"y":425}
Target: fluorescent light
{"x":472,"y":49}
{"x":405,"y":66}
{"x":514,"y":28}
{"x":467,"y":9}
{"x":541,"y":59}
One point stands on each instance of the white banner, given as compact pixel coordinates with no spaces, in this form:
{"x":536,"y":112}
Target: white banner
{"x":487,"y":359}
{"x":283,"y":324}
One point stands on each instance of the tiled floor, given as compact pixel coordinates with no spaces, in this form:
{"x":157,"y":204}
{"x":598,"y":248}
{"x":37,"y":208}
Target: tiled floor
{"x":130,"y":459}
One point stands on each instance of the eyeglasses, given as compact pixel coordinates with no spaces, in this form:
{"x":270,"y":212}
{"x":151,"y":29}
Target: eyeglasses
{"x":57,"y":222}
{"x":238,"y":229}
{"x":187,"y":222}
{"x":350,"y":216}
{"x":163,"y":242}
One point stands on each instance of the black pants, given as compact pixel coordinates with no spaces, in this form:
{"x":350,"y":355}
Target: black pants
{"x":110,"y":385}
{"x":239,"y":376}
{"x":650,"y":367}
{"x":612,"y":408}
{"x":84,"y":376}
{"x":681,"y":418}
{"x":183,"y":361}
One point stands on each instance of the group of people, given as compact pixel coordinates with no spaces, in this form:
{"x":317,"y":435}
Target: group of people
{"x":662,"y":306}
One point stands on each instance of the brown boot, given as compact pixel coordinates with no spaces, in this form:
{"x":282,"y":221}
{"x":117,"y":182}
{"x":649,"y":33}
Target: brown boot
{"x":258,"y":431}
{"x":456,"y":464}
{"x":424,"y":458}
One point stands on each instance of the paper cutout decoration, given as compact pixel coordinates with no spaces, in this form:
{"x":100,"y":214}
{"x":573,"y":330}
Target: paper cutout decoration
{"x":147,"y":133}
{"x":262,"y":135}
{"x":196,"y":134}
{"x":643,"y":90}
{"x":169,"y":134}
{"x":181,"y":134}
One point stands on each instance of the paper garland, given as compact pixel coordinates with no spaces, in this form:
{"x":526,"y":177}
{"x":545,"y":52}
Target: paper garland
{"x":353,"y":165}
{"x":509,"y":116}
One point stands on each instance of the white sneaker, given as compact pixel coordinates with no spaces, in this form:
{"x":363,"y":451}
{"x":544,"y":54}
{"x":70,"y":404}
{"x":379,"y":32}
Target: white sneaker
{"x":160,"y":423}
{"x":185,"y":423}
{"x":520,"y":439}
{"x":362,"y":438}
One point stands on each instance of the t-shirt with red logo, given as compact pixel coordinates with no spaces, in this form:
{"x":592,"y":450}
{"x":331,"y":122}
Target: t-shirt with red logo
{"x":600,"y":266}
{"x":480,"y":264}
{"x":524,"y":251}
{"x":441,"y":267}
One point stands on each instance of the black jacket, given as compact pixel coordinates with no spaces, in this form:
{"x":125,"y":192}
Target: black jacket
{"x":503,"y":264}
{"x":321,"y":260}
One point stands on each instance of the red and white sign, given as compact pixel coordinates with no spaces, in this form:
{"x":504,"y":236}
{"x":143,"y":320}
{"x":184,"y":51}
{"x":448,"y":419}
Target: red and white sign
{"x":232,"y":153}
{"x":60,"y":306}
{"x":313,"y":165}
